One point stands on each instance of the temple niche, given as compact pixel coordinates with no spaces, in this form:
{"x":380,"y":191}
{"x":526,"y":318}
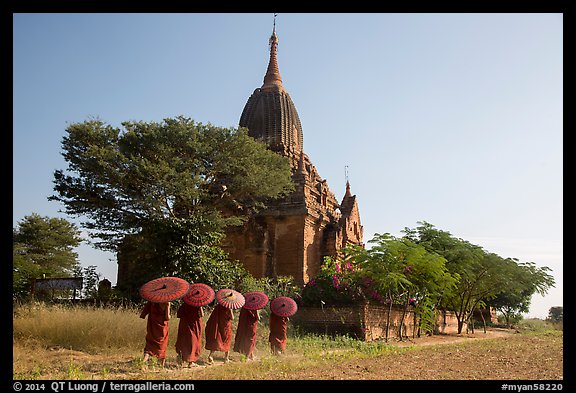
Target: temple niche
{"x":292,"y":235}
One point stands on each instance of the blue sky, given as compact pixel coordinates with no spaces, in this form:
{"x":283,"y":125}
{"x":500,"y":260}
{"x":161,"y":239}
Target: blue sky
{"x":455,"y":119}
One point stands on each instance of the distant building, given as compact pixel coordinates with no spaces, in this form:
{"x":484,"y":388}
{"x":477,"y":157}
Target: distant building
{"x":293,"y":235}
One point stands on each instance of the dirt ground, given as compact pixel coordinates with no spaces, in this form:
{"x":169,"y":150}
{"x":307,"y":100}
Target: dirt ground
{"x":511,"y":356}
{"x":498,"y":354}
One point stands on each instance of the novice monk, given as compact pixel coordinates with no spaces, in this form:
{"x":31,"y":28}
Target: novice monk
{"x":189,"y":341}
{"x":156,"y":330}
{"x":219,"y":332}
{"x":277,"y":337}
{"x":246,"y":332}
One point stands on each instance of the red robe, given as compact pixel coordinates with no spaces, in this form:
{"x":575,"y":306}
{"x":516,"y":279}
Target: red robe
{"x":219,"y":329}
{"x":277,"y":337}
{"x":189,"y":341}
{"x":156,"y":330}
{"x":246,"y":332}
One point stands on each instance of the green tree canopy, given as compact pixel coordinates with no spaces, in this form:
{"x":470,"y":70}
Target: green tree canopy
{"x":43,"y":247}
{"x":525,"y":279}
{"x":122,"y":180}
{"x":167,"y":190}
{"x":556,"y":314}
{"x":485,"y":278}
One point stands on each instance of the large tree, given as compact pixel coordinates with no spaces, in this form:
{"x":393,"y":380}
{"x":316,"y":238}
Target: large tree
{"x":485,"y":278}
{"x":171,"y":188}
{"x":42,"y":247}
{"x":526,"y":279}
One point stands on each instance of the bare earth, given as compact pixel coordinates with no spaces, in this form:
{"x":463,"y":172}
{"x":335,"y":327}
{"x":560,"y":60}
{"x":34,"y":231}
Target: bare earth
{"x":511,"y":356}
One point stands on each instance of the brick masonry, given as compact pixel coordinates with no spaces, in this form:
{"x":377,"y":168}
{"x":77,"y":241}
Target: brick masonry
{"x":365,"y":321}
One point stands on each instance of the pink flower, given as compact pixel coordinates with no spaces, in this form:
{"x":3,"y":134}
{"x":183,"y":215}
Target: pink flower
{"x":338,"y":269}
{"x":335,"y":282}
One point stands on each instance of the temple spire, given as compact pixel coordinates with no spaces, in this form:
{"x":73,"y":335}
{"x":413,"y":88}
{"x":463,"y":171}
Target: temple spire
{"x":348,"y":193}
{"x":272,"y":79}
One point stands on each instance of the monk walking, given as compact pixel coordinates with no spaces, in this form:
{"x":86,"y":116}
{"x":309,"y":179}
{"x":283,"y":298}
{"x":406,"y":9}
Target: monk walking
{"x":156,"y":330}
{"x":219,"y":332}
{"x":246,"y":332}
{"x":277,"y":337}
{"x":189,"y":341}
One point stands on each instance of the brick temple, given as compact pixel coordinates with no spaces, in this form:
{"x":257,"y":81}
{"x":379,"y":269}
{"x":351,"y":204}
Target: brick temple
{"x":293,"y":235}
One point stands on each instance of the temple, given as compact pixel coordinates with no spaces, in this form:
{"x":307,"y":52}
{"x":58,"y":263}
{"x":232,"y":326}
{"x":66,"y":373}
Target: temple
{"x":292,"y":235}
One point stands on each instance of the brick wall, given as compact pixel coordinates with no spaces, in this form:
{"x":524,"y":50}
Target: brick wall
{"x":365,"y":321}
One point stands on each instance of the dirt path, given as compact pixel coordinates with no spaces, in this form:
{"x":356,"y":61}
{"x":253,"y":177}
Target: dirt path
{"x":454,"y":338}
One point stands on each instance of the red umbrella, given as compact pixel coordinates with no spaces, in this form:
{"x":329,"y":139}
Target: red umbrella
{"x":255,"y":300}
{"x":283,"y":306}
{"x":199,"y":295}
{"x":164,"y":289}
{"x":230,"y":298}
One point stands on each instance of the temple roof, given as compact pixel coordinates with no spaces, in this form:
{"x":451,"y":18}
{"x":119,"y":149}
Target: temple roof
{"x":269,"y":114}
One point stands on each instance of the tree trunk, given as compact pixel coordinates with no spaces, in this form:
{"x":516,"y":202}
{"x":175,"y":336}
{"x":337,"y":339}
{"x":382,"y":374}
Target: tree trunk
{"x":402,"y":319}
{"x":483,"y":321}
{"x":388,"y":317}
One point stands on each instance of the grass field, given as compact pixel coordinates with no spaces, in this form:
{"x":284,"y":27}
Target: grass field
{"x":80,"y":343}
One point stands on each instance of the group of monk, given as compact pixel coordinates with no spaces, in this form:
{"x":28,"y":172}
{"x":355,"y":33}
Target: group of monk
{"x":218,"y":332}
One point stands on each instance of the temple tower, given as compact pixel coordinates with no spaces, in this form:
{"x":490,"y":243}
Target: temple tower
{"x":293,"y":235}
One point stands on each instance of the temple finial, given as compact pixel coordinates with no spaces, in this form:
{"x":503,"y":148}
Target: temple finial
{"x":272,"y":79}
{"x":348,"y":193}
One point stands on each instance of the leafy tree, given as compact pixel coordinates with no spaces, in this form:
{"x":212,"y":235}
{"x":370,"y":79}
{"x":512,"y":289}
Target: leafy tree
{"x":90,"y":280}
{"x":391,"y":272}
{"x":484,"y":277}
{"x":525,"y":279}
{"x":167,"y":190}
{"x":556,"y":314}
{"x":415,"y":276}
{"x":42,"y":247}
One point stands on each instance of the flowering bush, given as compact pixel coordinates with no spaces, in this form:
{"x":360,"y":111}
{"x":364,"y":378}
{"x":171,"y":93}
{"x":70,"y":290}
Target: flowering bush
{"x":340,"y":282}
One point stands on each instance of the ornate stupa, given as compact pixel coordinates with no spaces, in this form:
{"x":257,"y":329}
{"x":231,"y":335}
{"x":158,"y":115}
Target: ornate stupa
{"x":293,"y":235}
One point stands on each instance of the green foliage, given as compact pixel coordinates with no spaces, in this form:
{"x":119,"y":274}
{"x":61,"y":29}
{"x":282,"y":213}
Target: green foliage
{"x":556,"y":314}
{"x":524,"y":279}
{"x":186,"y":248}
{"x":163,"y":193}
{"x":122,"y":180}
{"x":483,"y":278}
{"x":42,"y":247}
{"x":393,"y":270}
{"x":336,"y":283}
{"x":272,"y":287}
{"x":538,"y":326}
{"x":90,"y":281}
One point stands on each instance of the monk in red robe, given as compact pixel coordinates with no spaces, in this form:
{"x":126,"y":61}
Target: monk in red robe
{"x":156,"y":330}
{"x":189,"y":341}
{"x":277,"y":337}
{"x":219,"y":332}
{"x":246,"y":332}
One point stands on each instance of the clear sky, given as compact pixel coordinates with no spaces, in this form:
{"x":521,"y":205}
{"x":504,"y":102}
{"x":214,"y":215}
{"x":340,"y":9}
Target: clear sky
{"x":455,"y":119}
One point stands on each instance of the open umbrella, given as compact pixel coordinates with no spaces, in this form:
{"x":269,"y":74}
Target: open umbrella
{"x":255,"y":300}
{"x":283,"y":306}
{"x":199,"y":295}
{"x":230,"y":298}
{"x":164,"y":289}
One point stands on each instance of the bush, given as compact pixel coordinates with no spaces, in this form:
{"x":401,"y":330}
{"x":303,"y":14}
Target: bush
{"x":536,"y":325}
